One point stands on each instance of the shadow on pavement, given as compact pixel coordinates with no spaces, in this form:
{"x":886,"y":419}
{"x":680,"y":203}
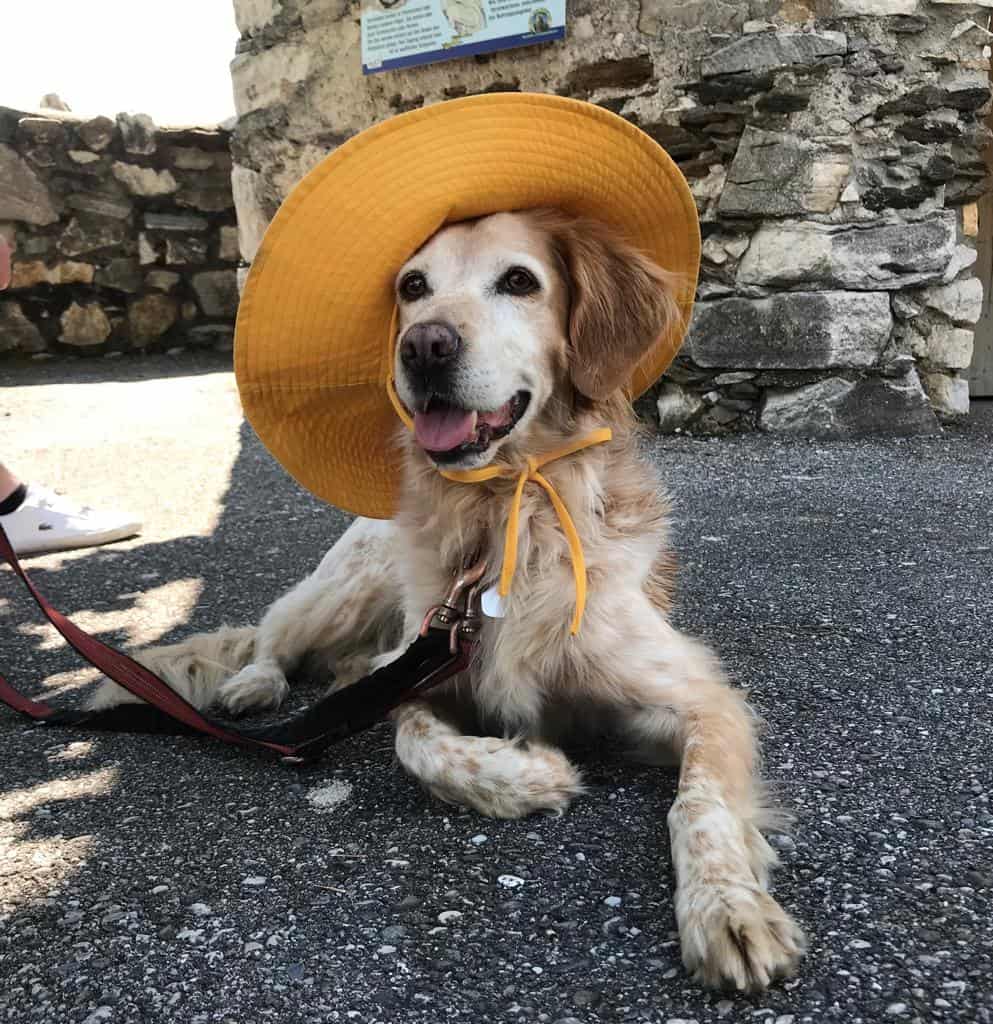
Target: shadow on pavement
{"x":189,"y":363}
{"x":253,"y":555}
{"x":846,"y":584}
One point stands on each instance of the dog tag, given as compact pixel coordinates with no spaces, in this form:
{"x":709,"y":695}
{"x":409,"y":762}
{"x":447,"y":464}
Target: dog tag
{"x":494,"y":606}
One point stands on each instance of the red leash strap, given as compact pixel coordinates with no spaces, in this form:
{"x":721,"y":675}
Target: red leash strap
{"x":444,"y":647}
{"x":117,"y":666}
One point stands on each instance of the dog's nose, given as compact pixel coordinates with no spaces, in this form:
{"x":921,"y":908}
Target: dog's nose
{"x":429,"y":347}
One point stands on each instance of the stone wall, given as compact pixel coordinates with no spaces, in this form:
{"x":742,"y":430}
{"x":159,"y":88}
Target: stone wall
{"x":125,"y":235}
{"x":834,"y":148}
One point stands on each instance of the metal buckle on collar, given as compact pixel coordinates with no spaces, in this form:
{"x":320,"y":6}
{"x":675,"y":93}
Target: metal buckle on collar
{"x":459,"y":611}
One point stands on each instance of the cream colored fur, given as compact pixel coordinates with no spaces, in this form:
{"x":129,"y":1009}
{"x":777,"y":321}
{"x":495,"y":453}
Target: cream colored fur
{"x":487,"y":740}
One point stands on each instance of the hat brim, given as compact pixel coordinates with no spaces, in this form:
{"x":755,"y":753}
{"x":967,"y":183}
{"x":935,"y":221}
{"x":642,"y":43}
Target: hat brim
{"x":312,"y":348}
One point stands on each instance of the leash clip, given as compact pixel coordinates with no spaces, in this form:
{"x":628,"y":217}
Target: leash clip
{"x":459,"y":611}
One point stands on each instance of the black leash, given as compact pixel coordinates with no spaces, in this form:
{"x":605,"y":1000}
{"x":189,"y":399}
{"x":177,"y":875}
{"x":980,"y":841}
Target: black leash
{"x":444,"y":648}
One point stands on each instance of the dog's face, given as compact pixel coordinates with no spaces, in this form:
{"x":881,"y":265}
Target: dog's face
{"x":505,"y":320}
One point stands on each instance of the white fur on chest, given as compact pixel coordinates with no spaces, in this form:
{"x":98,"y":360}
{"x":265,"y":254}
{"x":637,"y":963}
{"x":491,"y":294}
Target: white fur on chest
{"x":529,"y":659}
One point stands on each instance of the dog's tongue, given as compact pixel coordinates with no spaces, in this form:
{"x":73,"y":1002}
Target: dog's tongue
{"x":443,"y":428}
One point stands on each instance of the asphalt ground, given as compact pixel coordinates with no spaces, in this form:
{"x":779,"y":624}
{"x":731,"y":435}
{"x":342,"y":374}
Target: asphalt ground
{"x":847,"y":585}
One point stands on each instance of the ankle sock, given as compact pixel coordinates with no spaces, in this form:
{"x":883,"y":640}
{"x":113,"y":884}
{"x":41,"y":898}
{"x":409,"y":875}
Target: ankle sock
{"x":14,"y":500}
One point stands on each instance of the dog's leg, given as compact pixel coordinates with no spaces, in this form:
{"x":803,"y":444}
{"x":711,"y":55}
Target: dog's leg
{"x":501,"y":778}
{"x":733,"y":933}
{"x":341,"y":608}
{"x":195,"y":668}
{"x":334,"y":613}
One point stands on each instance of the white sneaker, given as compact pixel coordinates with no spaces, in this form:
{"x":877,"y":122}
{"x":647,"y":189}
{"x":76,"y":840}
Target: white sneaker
{"x":46,"y":521}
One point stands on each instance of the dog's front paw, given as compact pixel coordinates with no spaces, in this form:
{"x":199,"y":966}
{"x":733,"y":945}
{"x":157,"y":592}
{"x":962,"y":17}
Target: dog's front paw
{"x":735,"y":935}
{"x":496,"y":777}
{"x":510,"y":779}
{"x":254,"y":688}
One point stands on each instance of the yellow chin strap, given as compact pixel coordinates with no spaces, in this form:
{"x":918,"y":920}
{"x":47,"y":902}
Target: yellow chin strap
{"x":531,"y":473}
{"x":478,"y":476}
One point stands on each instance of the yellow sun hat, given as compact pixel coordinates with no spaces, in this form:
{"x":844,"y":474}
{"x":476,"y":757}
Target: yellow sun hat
{"x":313,"y":351}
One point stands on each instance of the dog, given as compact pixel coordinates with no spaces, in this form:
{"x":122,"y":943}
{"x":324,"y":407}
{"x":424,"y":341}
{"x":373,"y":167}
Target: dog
{"x":517,"y":333}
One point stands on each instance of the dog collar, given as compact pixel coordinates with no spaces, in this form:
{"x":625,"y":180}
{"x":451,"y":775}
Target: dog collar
{"x":530,"y":474}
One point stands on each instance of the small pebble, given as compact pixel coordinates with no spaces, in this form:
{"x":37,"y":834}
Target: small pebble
{"x":159,"y":889}
{"x":449,"y":915}
{"x":327,"y":798}
{"x":613,"y":901}
{"x":201,"y":910}
{"x":510,"y":881}
{"x":896,"y":1009}
{"x":254,"y":880}
{"x":479,"y":840}
{"x":784,"y":843}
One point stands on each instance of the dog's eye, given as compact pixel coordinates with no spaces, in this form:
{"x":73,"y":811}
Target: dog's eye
{"x":413,"y":286}
{"x":518,"y":281}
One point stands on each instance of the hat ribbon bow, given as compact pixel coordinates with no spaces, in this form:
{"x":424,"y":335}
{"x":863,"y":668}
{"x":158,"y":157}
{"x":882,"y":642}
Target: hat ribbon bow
{"x":532,"y":474}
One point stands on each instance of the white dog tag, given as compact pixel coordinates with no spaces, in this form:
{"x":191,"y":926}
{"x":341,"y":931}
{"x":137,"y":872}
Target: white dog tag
{"x":494,"y":606}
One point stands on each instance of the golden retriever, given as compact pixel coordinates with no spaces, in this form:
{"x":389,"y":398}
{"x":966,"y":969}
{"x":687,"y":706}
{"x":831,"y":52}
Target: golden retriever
{"x":516,"y":335}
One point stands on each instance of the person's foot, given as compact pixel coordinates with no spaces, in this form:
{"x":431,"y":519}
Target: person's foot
{"x":46,"y":521}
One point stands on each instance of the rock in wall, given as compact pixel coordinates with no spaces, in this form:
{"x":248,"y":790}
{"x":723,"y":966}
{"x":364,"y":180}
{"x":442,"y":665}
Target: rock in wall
{"x":124,"y":235}
{"x":834,"y":148}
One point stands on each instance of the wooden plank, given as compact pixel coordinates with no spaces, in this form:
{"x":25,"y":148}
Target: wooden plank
{"x":980,"y":373}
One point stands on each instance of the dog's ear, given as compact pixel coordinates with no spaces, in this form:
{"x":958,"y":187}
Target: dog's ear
{"x":620,"y":302}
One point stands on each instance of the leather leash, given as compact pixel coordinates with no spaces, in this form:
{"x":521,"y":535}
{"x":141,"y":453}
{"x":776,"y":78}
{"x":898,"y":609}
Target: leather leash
{"x":444,"y":647}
